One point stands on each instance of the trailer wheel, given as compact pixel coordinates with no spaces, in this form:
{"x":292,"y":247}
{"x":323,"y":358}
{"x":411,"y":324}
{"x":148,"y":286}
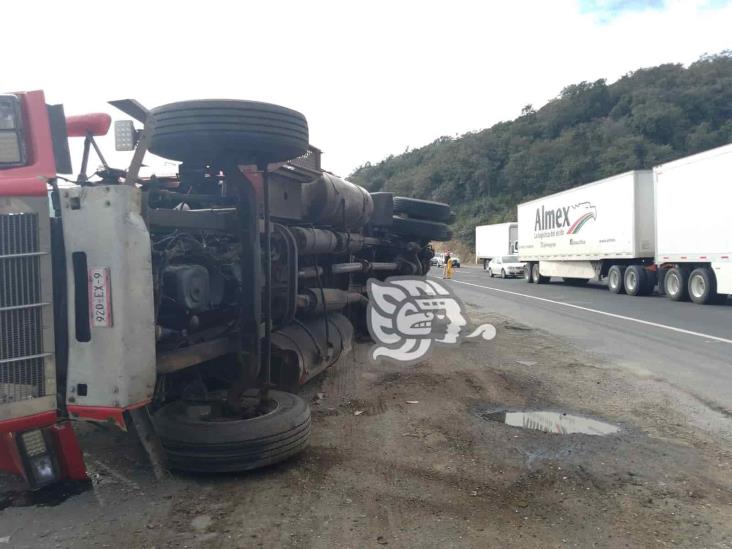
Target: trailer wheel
{"x":422,"y":209}
{"x":243,"y":131}
{"x":485,"y":264}
{"x":197,"y":438}
{"x":615,"y":279}
{"x":528,"y":273}
{"x":428,"y":230}
{"x":660,"y":281}
{"x":536,"y":276}
{"x":635,"y":280}
{"x":703,"y":287}
{"x":676,"y":284}
{"x":650,"y":281}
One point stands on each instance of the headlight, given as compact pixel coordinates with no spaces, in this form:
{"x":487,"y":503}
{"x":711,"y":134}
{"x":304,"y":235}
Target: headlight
{"x":11,"y":142}
{"x":40,"y":465}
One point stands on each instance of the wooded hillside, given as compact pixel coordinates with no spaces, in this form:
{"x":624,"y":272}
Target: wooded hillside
{"x":590,"y":131}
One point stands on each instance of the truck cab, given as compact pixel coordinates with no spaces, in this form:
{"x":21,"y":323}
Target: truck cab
{"x":36,"y":441}
{"x":192,"y":306}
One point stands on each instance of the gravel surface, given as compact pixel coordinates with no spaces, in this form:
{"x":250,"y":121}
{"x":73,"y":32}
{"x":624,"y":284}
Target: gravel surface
{"x":404,"y":457}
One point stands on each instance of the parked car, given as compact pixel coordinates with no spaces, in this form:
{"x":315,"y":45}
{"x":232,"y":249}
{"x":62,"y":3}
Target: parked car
{"x":438,"y":260}
{"x":506,"y":266}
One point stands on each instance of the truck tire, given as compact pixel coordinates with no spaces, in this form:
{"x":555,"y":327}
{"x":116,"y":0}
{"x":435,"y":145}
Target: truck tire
{"x":195,"y":442}
{"x":536,"y":276}
{"x":224,"y":129}
{"x":615,"y":279}
{"x":651,"y":279}
{"x":422,"y":209}
{"x":635,"y":280}
{"x":676,"y":284}
{"x":702,"y":287}
{"x":427,"y":230}
{"x":528,"y":273}
{"x":660,"y":278}
{"x":485,"y":264}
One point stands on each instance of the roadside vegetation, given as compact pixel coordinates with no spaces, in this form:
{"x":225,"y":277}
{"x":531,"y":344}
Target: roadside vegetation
{"x":590,"y":131}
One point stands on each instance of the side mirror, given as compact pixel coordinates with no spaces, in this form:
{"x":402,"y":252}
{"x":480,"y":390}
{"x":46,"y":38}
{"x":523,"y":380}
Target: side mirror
{"x":125,"y":135}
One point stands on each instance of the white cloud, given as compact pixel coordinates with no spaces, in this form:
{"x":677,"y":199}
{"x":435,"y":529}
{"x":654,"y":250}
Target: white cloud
{"x":372,"y":78}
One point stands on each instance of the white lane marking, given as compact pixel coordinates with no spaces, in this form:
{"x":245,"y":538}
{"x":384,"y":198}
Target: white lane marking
{"x":613,"y":315}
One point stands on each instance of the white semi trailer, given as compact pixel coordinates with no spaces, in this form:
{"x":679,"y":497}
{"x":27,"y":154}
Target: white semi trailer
{"x":694,"y":226}
{"x":604,"y":229}
{"x":494,"y":241}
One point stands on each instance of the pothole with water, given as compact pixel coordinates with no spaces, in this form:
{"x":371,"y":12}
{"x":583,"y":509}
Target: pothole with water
{"x":551,"y":422}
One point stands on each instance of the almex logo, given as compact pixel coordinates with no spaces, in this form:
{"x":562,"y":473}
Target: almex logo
{"x":575,"y":217}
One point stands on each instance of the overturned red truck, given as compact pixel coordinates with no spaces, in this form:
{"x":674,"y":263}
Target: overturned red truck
{"x":192,"y":306}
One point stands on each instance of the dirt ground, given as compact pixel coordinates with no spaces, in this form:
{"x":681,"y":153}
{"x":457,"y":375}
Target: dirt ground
{"x":382,"y":471}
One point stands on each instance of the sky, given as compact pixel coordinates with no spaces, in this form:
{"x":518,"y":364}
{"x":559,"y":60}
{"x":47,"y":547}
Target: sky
{"x":373,"y":78}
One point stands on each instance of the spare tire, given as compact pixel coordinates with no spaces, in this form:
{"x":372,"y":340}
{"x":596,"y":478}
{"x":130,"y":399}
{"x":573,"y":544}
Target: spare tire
{"x":224,"y":129}
{"x":196,"y":440}
{"x":425,"y":230}
{"x":421,"y":209}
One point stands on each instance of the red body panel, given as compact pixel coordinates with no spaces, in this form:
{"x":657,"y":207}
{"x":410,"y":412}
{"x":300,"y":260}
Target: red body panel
{"x":103,"y":413}
{"x":31,"y":180}
{"x":25,"y":423}
{"x":70,"y":457}
{"x":9,"y":456}
{"x":67,"y":450}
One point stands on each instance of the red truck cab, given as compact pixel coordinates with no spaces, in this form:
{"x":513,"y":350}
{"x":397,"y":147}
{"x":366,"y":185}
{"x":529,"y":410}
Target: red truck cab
{"x":37,"y":440}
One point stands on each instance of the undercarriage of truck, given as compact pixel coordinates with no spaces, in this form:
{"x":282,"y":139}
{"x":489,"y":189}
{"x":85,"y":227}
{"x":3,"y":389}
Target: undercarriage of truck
{"x":193,"y":305}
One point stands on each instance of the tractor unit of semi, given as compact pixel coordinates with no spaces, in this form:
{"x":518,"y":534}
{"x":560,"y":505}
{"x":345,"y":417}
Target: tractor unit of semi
{"x":191,"y":306}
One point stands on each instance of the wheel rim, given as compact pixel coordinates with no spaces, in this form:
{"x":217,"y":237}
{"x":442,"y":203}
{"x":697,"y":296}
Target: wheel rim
{"x":535,"y":273}
{"x":698,"y":286}
{"x":212,"y":411}
{"x":672,"y":284}
{"x":632,"y":281}
{"x":614,"y":276}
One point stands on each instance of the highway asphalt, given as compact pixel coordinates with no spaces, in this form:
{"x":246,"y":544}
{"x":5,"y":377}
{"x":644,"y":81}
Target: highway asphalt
{"x":684,"y":344}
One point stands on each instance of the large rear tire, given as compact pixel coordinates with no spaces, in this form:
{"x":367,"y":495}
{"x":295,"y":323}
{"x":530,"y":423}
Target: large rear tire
{"x":422,"y":209}
{"x":635,"y":280}
{"x":196,"y":439}
{"x":238,"y":131}
{"x":615,"y":279}
{"x":676,"y":284}
{"x":702,"y":287}
{"x":528,"y":273}
{"x":536,"y":275}
{"x":427,"y":230}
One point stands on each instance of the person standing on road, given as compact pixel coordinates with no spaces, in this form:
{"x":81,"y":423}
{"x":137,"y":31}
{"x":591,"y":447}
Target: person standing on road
{"x":447,"y":273}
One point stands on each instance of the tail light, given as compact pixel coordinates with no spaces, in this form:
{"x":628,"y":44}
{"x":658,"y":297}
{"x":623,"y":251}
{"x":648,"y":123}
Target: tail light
{"x":12,"y":146}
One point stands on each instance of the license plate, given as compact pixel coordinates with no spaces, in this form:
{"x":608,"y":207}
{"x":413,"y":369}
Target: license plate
{"x":100,"y":297}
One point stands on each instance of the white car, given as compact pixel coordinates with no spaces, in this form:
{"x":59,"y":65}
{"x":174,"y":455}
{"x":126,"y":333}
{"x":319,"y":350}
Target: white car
{"x":438,"y":260}
{"x":506,"y":266}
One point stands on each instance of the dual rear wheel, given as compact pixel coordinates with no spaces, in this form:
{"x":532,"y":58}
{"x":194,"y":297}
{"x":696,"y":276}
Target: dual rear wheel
{"x":698,"y":285}
{"x":630,"y":279}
